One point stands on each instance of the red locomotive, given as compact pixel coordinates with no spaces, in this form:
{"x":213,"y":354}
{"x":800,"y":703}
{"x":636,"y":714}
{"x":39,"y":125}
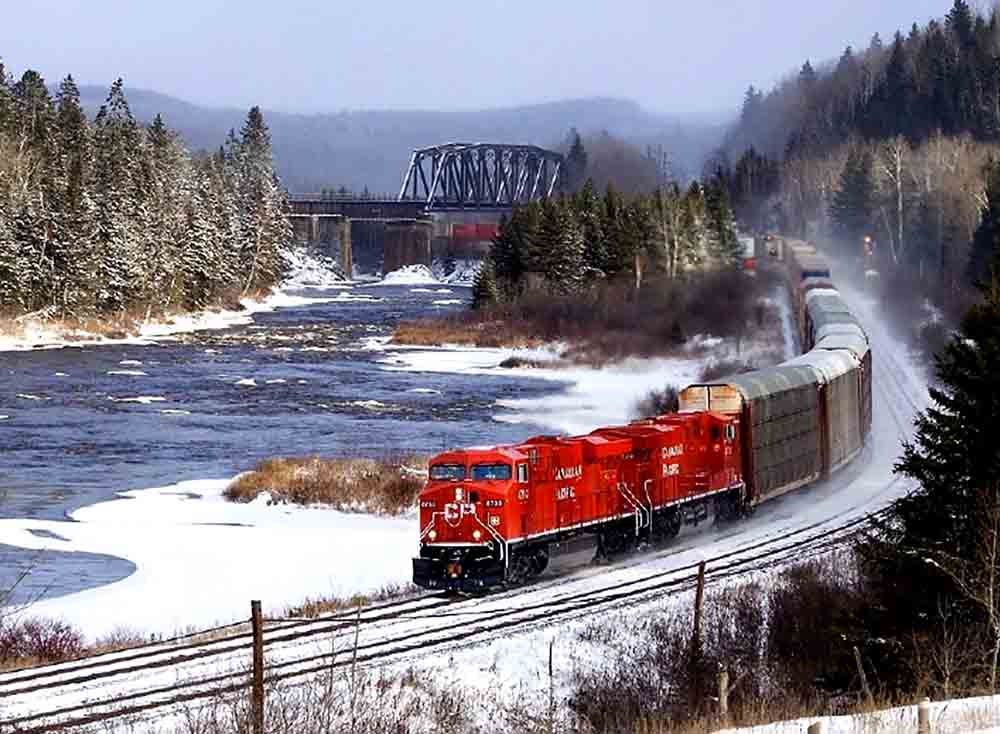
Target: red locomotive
{"x":495,"y":516}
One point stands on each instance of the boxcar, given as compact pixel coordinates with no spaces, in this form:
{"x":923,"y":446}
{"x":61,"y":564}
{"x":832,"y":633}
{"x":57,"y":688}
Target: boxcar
{"x":838,"y":374}
{"x":779,"y":411}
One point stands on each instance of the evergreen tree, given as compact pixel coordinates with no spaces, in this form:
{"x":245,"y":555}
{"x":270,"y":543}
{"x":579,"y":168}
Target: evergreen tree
{"x":575,"y":165}
{"x":587,"y":208}
{"x":852,"y":205}
{"x":725,"y":245}
{"x":955,"y":460}
{"x":562,"y":243}
{"x":485,"y":291}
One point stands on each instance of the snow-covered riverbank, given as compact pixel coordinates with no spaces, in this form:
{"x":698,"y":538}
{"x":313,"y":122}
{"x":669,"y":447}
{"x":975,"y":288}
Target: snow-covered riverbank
{"x":304,"y":273}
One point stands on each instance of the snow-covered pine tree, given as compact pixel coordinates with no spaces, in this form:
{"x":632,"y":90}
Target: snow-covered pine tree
{"x":587,"y":208}
{"x":724,"y":244}
{"x":72,"y":251}
{"x":116,"y":151}
{"x":561,"y":248}
{"x":263,"y":205}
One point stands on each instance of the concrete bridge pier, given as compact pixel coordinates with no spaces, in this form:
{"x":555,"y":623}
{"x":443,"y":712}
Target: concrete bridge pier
{"x":328,"y":234}
{"x":407,"y":242}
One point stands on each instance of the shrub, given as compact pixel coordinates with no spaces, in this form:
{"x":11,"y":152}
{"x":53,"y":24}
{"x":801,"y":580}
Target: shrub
{"x":37,"y":639}
{"x":351,"y":485}
{"x":657,"y":402}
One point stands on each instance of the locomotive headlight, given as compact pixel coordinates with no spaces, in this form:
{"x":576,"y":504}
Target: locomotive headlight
{"x":477,"y":535}
{"x":432,"y":534}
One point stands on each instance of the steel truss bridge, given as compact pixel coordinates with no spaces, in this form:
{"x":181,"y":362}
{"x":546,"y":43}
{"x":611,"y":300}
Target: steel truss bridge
{"x":480,"y":176}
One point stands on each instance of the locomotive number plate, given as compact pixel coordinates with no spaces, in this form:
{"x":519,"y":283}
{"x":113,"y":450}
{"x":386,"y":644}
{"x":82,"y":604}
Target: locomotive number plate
{"x":494,"y":503}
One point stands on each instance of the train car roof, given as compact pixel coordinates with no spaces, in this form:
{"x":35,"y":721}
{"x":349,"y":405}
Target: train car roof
{"x":825,"y":317}
{"x":829,"y":365}
{"x":761,"y":383}
{"x":854,"y":342}
{"x":826,"y":296}
{"x":827,"y":330}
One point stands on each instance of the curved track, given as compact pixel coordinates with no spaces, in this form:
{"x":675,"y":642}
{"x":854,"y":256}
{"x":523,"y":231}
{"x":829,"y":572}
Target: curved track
{"x":150,"y":682}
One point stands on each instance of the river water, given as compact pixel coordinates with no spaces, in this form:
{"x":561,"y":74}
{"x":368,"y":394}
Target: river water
{"x":79,"y":424}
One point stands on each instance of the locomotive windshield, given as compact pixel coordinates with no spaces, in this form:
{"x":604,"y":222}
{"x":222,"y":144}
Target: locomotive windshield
{"x":448,"y":472}
{"x":491,"y":471}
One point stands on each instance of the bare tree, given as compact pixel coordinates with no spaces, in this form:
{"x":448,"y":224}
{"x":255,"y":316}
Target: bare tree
{"x":978,"y":578}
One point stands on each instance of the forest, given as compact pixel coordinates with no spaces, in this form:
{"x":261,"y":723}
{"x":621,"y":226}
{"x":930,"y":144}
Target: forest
{"x":108,"y":217}
{"x":894,"y":142}
{"x":582,"y":238}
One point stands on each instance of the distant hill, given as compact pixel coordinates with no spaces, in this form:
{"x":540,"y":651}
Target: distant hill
{"x":372,"y":148}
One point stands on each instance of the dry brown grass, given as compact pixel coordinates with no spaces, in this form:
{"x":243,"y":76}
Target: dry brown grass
{"x":498,"y":328}
{"x":311,"y":608}
{"x":384,"y":487}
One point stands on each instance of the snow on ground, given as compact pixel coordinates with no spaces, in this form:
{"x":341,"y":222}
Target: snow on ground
{"x":200,"y":558}
{"x":969,"y":716}
{"x":464,"y":274}
{"x":410,"y":275}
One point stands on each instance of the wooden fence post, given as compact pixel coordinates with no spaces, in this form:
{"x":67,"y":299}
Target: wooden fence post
{"x":924,"y":717}
{"x":699,"y":602}
{"x":257,"y":688}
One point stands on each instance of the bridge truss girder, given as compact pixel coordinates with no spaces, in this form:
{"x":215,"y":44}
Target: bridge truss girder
{"x":480,"y":175}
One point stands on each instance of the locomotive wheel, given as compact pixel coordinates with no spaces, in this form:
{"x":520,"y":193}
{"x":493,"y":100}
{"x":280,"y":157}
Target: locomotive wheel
{"x":671,"y":524}
{"x":521,"y":568}
{"x":539,"y":561}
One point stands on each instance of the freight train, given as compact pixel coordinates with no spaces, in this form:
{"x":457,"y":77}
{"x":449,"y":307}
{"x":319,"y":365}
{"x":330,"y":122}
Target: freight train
{"x":495,"y":517}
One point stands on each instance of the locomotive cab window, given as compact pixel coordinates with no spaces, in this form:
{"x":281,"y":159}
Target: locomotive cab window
{"x":447,"y":472}
{"x":522,"y":473}
{"x":491,"y":472}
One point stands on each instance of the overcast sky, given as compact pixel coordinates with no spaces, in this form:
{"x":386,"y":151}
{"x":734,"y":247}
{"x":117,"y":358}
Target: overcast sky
{"x":689,"y":57}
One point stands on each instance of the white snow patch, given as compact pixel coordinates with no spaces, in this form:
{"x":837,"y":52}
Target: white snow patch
{"x":175,"y":412}
{"x":4,"y":417}
{"x":424,"y":391}
{"x":247,"y":382}
{"x":278,"y":381}
{"x":130,"y":363}
{"x":199,"y":557}
{"x":970,"y":716}
{"x":141,"y":399}
{"x":369,"y":404}
{"x":449,"y":302}
{"x":306,"y":270}
{"x":409,"y":275}
{"x":60,"y":374}
{"x":28,"y":396}
{"x":130,"y":373}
